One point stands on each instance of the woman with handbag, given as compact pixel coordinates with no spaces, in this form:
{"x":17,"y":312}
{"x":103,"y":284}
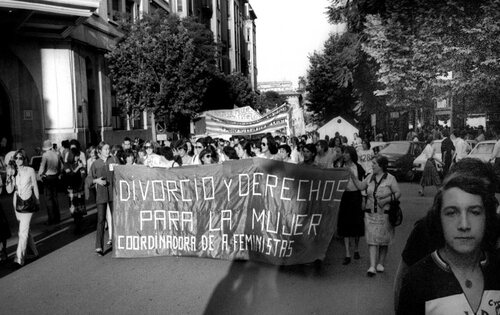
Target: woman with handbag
{"x":382,"y":188}
{"x":21,"y":180}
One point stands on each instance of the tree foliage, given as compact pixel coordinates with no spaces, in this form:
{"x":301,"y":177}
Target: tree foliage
{"x":418,"y":43}
{"x":269,"y":100}
{"x":163,"y":64}
{"x":227,"y":91}
{"x":341,"y":78}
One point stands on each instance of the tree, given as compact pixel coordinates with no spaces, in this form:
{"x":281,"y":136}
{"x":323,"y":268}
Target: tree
{"x":162,"y":64}
{"x":341,"y":79}
{"x":330,"y":77}
{"x":417,"y":43}
{"x":269,"y":100}
{"x":227,"y":91}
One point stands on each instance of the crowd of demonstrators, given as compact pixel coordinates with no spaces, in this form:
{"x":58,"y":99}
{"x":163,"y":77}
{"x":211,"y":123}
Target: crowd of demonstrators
{"x":88,"y":174}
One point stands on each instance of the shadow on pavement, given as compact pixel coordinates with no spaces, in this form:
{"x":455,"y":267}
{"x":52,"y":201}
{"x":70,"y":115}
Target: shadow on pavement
{"x":50,"y":240}
{"x":255,"y":288}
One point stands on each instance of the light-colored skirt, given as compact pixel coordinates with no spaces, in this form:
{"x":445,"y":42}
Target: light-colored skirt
{"x":378,"y":230}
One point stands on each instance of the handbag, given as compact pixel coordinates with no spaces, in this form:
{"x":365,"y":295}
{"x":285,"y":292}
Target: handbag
{"x":395,"y":212}
{"x":26,"y":206}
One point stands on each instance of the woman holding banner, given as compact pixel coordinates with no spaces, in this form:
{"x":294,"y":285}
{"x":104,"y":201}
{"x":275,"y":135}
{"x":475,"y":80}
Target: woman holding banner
{"x":379,"y":233}
{"x":309,"y":153}
{"x":350,"y":223}
{"x":101,"y":173}
{"x":269,"y":147}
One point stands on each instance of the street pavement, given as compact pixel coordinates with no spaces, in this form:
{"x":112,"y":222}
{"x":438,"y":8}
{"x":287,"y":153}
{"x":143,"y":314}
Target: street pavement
{"x":70,"y":279}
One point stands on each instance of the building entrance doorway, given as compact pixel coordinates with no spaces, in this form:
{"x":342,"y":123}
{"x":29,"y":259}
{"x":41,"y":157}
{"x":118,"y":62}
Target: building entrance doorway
{"x":5,"y":126}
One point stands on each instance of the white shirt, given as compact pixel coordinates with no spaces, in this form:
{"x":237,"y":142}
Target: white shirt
{"x":461,"y":148}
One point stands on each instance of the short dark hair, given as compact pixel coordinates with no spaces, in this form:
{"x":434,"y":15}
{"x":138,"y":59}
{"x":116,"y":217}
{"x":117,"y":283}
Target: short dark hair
{"x":474,"y":177}
{"x":382,"y":161}
{"x":287,"y":148}
{"x":311,"y":147}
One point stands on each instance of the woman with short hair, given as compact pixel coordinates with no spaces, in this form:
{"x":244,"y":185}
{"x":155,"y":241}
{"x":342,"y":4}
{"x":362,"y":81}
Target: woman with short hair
{"x":379,"y":233}
{"x":463,"y":275}
{"x":102,"y":176}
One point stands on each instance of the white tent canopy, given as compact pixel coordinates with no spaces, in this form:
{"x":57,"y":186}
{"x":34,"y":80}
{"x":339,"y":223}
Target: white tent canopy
{"x":340,"y":125}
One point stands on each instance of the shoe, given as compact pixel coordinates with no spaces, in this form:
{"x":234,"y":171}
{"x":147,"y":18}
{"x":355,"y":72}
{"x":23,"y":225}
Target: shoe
{"x":380,"y":268}
{"x":421,"y":193}
{"x":371,"y":272}
{"x":110,"y":242}
{"x":347,"y":261}
{"x":18,"y":262}
{"x":99,"y":251}
{"x":356,"y":255}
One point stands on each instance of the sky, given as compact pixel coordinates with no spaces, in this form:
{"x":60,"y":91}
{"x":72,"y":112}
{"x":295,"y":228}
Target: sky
{"x":288,"y":31}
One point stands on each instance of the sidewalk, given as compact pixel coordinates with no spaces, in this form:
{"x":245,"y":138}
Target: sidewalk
{"x":39,"y":229}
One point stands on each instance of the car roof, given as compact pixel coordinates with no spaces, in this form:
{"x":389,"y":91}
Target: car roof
{"x":487,"y":141}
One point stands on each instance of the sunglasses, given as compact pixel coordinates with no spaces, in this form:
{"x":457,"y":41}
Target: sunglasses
{"x":148,"y":147}
{"x":18,"y":158}
{"x":208,"y":156}
{"x":263,"y":143}
{"x":199,"y":147}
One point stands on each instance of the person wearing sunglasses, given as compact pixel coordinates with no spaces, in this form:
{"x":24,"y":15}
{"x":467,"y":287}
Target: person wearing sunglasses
{"x":269,"y":148}
{"x":21,"y":179}
{"x":206,"y":157}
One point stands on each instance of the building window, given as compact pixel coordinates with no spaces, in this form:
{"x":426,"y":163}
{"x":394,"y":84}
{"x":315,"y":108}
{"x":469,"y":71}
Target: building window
{"x":114,"y":9}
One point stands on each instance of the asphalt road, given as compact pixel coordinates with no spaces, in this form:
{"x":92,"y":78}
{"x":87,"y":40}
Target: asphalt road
{"x":71,"y":279}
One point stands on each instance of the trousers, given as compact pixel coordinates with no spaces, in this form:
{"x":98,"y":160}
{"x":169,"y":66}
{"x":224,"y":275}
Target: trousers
{"x":25,"y":238}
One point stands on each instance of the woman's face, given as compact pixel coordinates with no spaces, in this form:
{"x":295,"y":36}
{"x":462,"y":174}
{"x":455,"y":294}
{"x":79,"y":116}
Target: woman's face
{"x":282,"y":153}
{"x":376,"y":168}
{"x":129,"y":160}
{"x":264,"y":145}
{"x":207,"y":158}
{"x":308,"y":155}
{"x":198,"y":147}
{"x":463,"y":219}
{"x":181,"y":151}
{"x":19,"y":159}
{"x":346,"y":156}
{"x":105,"y":151}
{"x":337,"y":142}
{"x":149,"y":148}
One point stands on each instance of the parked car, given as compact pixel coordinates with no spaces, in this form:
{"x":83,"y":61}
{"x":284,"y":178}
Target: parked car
{"x":483,"y":150}
{"x":419,"y":162}
{"x":401,"y":155}
{"x":472,"y":143}
{"x":377,"y":145}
